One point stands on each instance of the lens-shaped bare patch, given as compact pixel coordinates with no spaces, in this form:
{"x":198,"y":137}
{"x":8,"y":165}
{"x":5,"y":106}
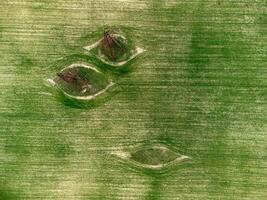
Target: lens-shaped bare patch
{"x":114,"y":49}
{"x":81,"y":82}
{"x":155,"y":156}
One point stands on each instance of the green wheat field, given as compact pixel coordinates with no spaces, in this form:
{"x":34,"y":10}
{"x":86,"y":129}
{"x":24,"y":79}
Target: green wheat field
{"x":184,"y":120}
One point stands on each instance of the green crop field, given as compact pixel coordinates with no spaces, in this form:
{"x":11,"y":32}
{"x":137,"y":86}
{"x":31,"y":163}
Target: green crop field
{"x":175,"y":110}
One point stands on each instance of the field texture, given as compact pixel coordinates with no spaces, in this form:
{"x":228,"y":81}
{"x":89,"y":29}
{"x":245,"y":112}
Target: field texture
{"x":186,"y":119}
